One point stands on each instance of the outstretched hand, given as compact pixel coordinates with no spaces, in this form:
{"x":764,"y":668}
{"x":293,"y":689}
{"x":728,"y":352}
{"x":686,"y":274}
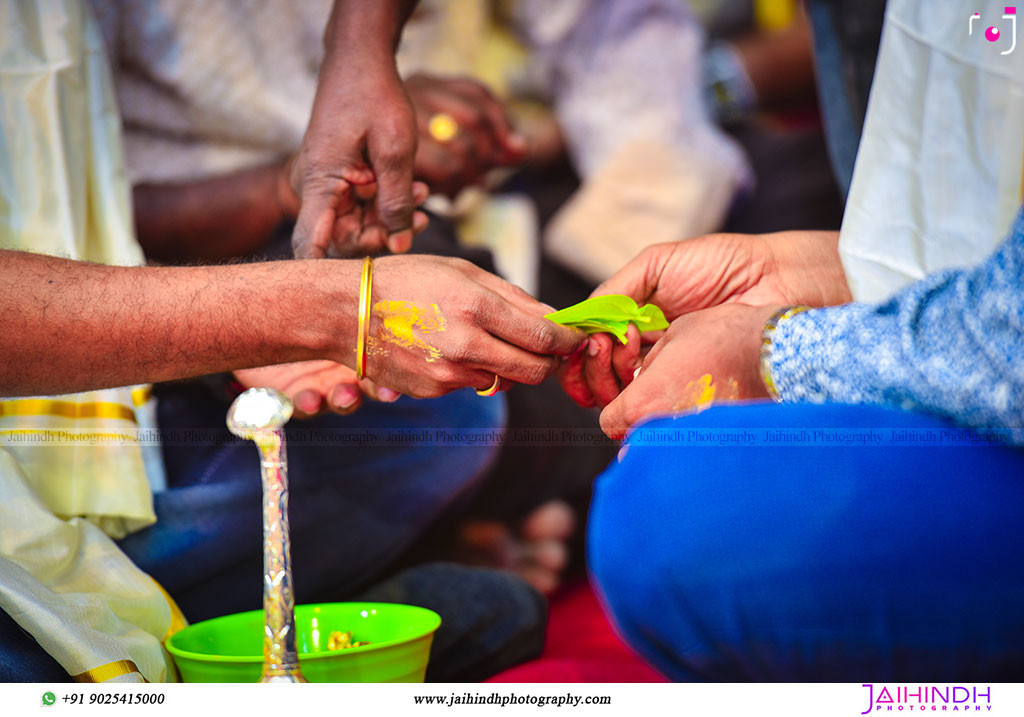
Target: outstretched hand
{"x":700,"y":274}
{"x":439,"y":324}
{"x":705,"y":356}
{"x":316,"y":387}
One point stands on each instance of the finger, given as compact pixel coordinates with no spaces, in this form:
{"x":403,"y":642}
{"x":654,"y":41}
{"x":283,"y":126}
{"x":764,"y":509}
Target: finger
{"x":476,"y":136}
{"x":497,"y":357}
{"x":401,"y":242}
{"x":438,"y":167}
{"x":626,"y":357}
{"x":315,"y":223}
{"x":347,"y":228}
{"x":420,"y":192}
{"x":574,"y":383}
{"x":527,"y":330}
{"x":371,"y":389}
{"x":373,"y":239}
{"x":345,"y":398}
{"x":492,"y":109}
{"x":638,"y":279}
{"x":504,"y":384}
{"x":420,"y":220}
{"x":392,"y":161}
{"x":365,"y":192}
{"x":598,"y":371}
{"x":479,"y":379}
{"x":642,"y":397}
{"x":307,"y":403}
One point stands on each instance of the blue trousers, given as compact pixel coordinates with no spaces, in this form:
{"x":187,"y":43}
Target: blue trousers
{"x":816,"y":562}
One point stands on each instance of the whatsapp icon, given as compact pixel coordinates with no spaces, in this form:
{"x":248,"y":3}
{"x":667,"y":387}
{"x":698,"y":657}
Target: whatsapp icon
{"x":49,"y":698}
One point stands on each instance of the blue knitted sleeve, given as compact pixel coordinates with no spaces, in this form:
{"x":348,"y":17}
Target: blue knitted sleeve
{"x":950,"y":344}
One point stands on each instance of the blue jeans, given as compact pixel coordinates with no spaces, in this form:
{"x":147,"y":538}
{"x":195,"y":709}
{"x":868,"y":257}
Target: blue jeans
{"x":814,"y":563}
{"x":353,"y":511}
{"x":353,"y":508}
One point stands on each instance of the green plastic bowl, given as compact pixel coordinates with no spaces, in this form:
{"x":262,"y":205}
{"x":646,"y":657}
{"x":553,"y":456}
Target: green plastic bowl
{"x":230,"y":648}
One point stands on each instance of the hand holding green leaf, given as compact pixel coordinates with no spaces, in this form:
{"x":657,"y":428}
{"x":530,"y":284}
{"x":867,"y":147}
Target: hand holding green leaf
{"x":610,"y":314}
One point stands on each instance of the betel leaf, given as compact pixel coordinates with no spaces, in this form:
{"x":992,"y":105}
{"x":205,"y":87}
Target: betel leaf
{"x":610,"y":314}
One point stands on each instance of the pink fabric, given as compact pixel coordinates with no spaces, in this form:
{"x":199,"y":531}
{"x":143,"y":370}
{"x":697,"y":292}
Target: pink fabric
{"x":581,"y":647}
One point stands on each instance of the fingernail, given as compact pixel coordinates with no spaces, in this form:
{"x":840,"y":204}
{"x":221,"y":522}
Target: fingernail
{"x":387,"y":395}
{"x":637,"y":371}
{"x":307,"y":401}
{"x":593,"y":349}
{"x":399,"y":243}
{"x":345,"y":397}
{"x":551,"y":309}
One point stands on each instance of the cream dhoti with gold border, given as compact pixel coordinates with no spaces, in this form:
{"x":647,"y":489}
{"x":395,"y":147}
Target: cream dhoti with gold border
{"x":74,"y":473}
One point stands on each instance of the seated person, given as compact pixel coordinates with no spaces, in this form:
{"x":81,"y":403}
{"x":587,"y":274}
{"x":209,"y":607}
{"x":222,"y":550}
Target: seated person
{"x":211,"y":173}
{"x":86,"y":317}
{"x":865,"y":528}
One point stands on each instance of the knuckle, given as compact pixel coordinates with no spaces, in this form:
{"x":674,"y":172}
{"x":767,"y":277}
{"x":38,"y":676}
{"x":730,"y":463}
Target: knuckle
{"x":544,"y":338}
{"x":460,"y":349}
{"x":446,"y":377}
{"x":474,"y":307}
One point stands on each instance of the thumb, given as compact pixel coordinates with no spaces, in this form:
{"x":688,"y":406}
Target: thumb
{"x":638,"y":399}
{"x":323,"y":202}
{"x":638,"y":279}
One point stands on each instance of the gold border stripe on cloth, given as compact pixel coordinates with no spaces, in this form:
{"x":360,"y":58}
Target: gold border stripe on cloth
{"x":66,"y":409}
{"x":71,"y":409}
{"x":108,"y":672}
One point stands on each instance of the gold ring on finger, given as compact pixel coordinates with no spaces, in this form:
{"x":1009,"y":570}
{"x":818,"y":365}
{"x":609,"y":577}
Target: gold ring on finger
{"x":493,"y":389}
{"x":442,"y":127}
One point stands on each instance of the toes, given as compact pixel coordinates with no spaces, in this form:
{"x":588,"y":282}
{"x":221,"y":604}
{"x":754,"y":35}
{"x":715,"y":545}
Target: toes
{"x":551,"y":555}
{"x":553,"y":519}
{"x":545,"y":581}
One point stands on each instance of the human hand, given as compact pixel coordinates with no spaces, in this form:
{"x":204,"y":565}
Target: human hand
{"x":705,"y":356}
{"x":315,"y":387}
{"x":439,"y":324}
{"x":797,"y":267}
{"x":353,"y":172}
{"x":484,"y":139}
{"x":680,"y":277}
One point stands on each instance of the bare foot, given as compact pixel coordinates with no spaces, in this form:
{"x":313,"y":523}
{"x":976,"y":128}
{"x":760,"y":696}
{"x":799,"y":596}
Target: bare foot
{"x":538,"y":553}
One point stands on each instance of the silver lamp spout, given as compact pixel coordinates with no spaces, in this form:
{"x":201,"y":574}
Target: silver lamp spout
{"x":259,"y":415}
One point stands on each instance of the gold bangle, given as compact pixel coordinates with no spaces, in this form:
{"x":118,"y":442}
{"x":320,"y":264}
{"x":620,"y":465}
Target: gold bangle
{"x":766,"y":346}
{"x":365,"y":290}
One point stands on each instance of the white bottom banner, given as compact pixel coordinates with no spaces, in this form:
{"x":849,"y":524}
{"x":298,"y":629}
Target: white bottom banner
{"x":635,"y":700}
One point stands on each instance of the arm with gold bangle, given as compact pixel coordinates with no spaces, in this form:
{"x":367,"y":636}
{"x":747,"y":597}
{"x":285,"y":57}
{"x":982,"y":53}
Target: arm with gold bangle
{"x":767,"y":333}
{"x":363,"y":328}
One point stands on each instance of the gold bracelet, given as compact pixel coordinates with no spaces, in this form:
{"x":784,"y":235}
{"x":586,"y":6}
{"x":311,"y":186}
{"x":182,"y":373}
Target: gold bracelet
{"x":766,"y":345}
{"x":365,"y":290}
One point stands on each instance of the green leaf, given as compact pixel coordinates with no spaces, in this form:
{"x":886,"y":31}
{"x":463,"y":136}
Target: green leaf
{"x":610,"y":314}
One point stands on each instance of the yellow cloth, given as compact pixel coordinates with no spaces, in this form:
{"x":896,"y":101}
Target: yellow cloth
{"x":63,"y":192}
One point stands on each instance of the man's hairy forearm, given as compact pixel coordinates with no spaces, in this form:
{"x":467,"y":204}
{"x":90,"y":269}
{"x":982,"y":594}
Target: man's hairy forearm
{"x":213,"y":219}
{"x":74,"y":326}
